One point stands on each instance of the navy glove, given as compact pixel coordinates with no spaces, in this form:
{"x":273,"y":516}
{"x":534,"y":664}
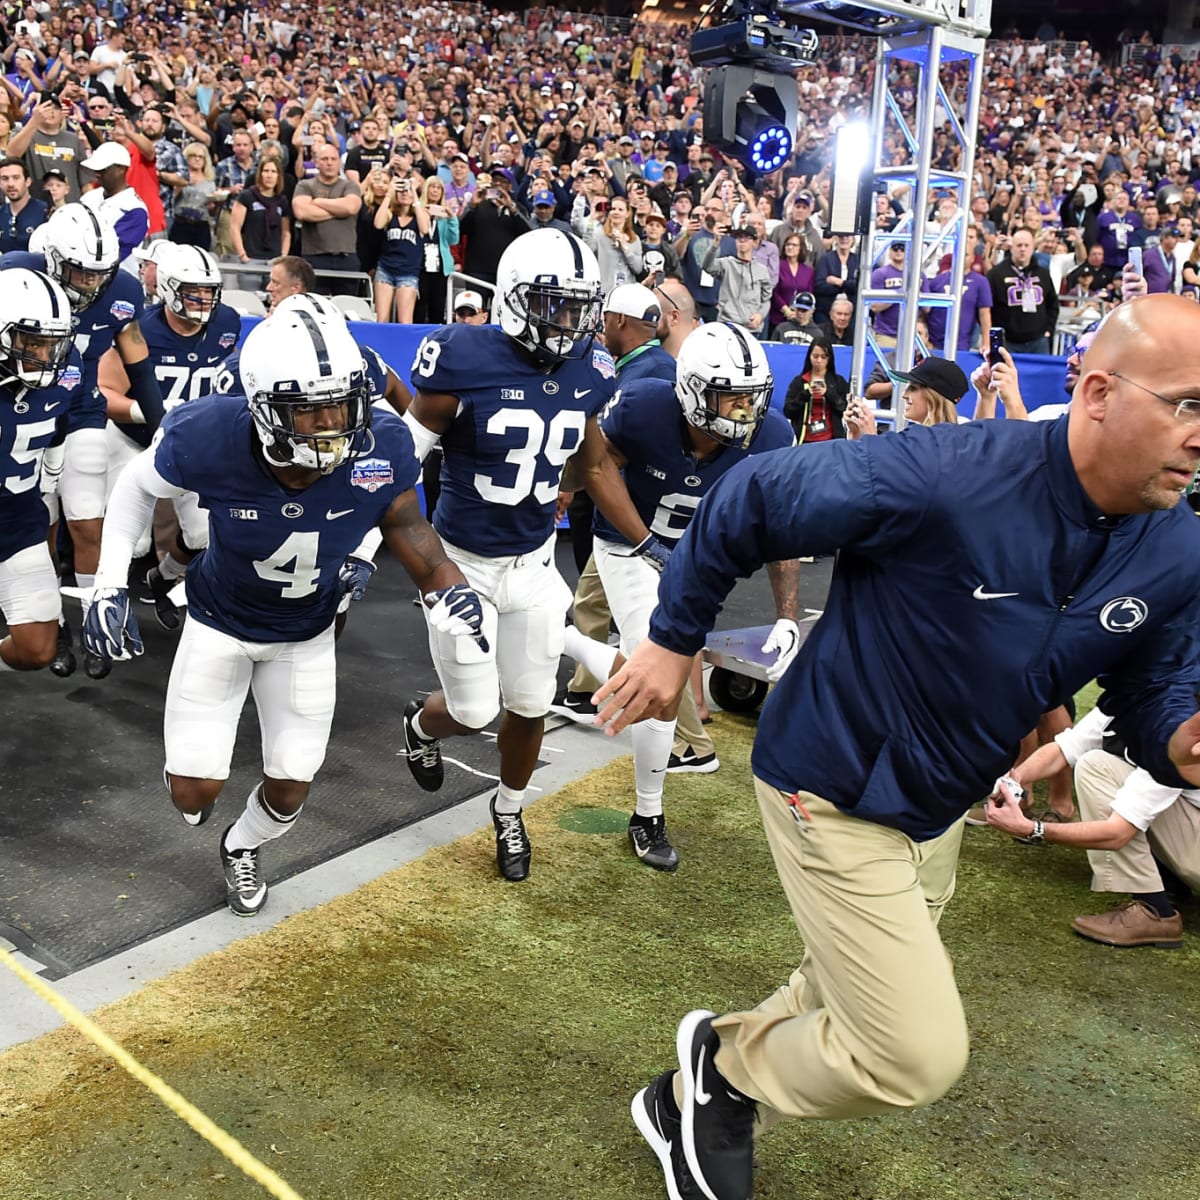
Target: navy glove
{"x":457,"y":610}
{"x":354,"y":576}
{"x":110,"y":629}
{"x":654,"y":552}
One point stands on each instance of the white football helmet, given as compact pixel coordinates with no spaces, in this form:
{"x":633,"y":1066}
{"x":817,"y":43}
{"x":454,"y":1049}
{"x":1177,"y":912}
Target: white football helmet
{"x":309,"y":302}
{"x":716,"y":361}
{"x":189,"y":282}
{"x":548,"y":296}
{"x":81,"y":252}
{"x":36,"y":328}
{"x":296,"y":364}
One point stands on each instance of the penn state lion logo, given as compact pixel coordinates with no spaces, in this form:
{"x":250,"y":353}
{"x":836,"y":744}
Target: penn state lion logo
{"x":1123,"y":615}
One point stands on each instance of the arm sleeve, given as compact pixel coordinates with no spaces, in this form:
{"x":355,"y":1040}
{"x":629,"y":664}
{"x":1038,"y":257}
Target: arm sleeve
{"x":130,"y":508}
{"x":143,"y":387}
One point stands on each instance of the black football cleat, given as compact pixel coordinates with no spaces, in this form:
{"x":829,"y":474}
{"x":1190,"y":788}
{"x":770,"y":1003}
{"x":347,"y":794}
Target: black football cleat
{"x":513,"y":851}
{"x":648,"y":837}
{"x":63,"y":663}
{"x":424,"y":754}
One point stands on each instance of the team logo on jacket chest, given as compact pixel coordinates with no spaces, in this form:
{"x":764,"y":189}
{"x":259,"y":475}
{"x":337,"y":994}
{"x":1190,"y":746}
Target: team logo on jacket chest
{"x":292,"y":511}
{"x":371,"y":474}
{"x":1124,"y":614}
{"x":693,"y":481}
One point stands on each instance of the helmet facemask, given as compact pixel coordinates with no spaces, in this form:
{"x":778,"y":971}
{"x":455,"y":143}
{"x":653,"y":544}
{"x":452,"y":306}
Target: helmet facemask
{"x":322,"y":449}
{"x":560,"y":321}
{"x":738,"y":425}
{"x":36,"y":356}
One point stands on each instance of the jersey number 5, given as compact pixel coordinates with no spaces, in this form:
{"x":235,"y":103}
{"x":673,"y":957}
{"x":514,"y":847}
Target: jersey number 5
{"x":300,"y":550}
{"x":551,"y":444}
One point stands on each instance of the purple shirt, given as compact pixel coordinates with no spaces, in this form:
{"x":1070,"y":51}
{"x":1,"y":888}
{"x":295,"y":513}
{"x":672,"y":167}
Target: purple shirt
{"x":976,"y":294}
{"x":1115,"y":234}
{"x":887,"y":320}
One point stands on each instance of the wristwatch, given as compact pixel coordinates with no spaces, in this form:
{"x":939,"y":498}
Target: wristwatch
{"x":1038,"y":836}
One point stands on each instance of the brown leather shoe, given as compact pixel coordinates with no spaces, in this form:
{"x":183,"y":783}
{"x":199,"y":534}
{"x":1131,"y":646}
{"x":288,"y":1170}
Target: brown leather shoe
{"x":1133,"y":924}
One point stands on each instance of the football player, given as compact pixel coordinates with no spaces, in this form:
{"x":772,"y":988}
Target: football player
{"x":293,"y":473}
{"x":673,"y":441}
{"x":78,"y":250}
{"x":508,"y":406}
{"x":188,"y":335}
{"x":39,"y":379}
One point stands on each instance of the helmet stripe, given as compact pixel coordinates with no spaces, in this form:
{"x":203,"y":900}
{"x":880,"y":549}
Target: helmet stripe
{"x":747,"y":360}
{"x":99,"y":232}
{"x":573,"y":242}
{"x":324,"y":367}
{"x":50,"y":292}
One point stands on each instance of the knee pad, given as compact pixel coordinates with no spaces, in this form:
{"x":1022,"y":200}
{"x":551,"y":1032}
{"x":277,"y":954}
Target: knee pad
{"x":472,"y":707}
{"x":85,"y":475}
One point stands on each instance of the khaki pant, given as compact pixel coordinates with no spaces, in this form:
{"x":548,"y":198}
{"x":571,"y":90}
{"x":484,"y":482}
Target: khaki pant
{"x":689,"y":731}
{"x":592,"y":617}
{"x":224,"y":239}
{"x":1174,"y":835}
{"x":871,"y":1021}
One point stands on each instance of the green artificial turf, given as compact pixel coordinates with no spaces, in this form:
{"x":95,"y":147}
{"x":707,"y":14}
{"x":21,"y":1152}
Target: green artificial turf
{"x":442,"y":1034}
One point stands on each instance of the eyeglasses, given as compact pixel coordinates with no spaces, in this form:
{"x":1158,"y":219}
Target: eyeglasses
{"x":659,"y":290}
{"x":1187,"y":410}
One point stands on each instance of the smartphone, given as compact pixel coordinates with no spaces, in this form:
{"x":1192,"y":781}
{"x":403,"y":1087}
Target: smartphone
{"x":1135,"y":258}
{"x":493,"y":193}
{"x":995,"y":343}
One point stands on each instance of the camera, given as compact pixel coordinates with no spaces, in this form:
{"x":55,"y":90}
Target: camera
{"x":995,"y":344}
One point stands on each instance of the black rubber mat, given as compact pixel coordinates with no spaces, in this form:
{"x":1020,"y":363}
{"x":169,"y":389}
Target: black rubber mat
{"x":93,"y":856}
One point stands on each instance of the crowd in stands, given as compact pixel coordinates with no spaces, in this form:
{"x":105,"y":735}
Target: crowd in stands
{"x":413,"y":145}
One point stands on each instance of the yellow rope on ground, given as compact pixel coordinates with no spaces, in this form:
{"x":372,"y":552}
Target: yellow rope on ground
{"x":227,"y":1144}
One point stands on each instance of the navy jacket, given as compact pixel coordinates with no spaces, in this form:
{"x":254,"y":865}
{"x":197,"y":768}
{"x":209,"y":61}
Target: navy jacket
{"x":976,"y":587}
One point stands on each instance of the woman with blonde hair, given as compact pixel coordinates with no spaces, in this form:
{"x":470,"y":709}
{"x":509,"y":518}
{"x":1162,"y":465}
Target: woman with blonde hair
{"x":437,"y":262}
{"x":935,"y":386}
{"x":196,"y":199}
{"x":405,"y":225}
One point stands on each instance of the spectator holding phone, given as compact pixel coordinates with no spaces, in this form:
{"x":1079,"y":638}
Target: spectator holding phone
{"x":405,"y":226}
{"x":816,"y":399}
{"x":44,"y":142}
{"x":617,"y":248}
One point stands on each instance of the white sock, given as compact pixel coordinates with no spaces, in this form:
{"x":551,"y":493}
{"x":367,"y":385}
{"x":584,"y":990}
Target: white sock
{"x":171,"y":568}
{"x":419,"y":730}
{"x":652,"y":742}
{"x":509,"y":800}
{"x":596,"y":657}
{"x":85,"y":581}
{"x":258,"y":824}
{"x":3,"y":665}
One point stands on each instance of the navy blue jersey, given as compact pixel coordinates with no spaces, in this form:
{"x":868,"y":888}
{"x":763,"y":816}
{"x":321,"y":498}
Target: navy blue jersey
{"x":97,"y":327}
{"x":29,"y":422}
{"x":403,"y":249}
{"x":270,"y":573}
{"x":666,"y":482}
{"x":186,"y":367}
{"x":650,"y":362}
{"x":513,"y":433}
{"x":228,"y":380}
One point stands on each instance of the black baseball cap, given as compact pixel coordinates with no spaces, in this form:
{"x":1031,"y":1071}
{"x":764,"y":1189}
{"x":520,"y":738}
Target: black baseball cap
{"x":939,"y":374}
{"x":804,"y":300}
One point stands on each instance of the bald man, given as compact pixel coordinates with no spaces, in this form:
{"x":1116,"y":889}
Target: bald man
{"x":1043,"y":555}
{"x":679,"y":316}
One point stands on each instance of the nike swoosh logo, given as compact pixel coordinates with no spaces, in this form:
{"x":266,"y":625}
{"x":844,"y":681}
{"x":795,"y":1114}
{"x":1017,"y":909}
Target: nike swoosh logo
{"x":640,"y":851}
{"x":702,"y":1097}
{"x":54,"y":405}
{"x":333,"y":516}
{"x":579,"y":394}
{"x":980,"y":594}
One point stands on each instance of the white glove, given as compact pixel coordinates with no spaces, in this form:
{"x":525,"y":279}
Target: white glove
{"x":52,"y":465}
{"x":784,"y":639}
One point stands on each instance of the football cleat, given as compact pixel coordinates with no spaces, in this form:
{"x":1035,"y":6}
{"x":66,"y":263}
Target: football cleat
{"x":245,"y":892}
{"x":691,"y":763}
{"x":95,"y":666}
{"x":575,"y":706}
{"x":63,"y":662}
{"x":648,"y":837}
{"x":424,"y":754}
{"x":513,"y":850}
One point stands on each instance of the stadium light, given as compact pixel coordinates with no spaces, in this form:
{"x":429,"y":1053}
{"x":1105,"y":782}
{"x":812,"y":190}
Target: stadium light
{"x":850,"y":190}
{"x":750,"y":114}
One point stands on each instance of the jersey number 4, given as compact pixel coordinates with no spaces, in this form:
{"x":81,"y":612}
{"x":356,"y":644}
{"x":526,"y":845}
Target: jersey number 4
{"x":294,"y":565}
{"x":549,"y":444}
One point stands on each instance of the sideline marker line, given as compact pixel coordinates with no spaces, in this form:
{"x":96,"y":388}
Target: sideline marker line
{"x":228,"y":1145}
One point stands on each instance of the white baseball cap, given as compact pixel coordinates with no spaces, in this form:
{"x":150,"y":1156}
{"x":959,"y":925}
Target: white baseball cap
{"x":471,"y":300}
{"x":107,"y":154}
{"x":633,"y":300}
